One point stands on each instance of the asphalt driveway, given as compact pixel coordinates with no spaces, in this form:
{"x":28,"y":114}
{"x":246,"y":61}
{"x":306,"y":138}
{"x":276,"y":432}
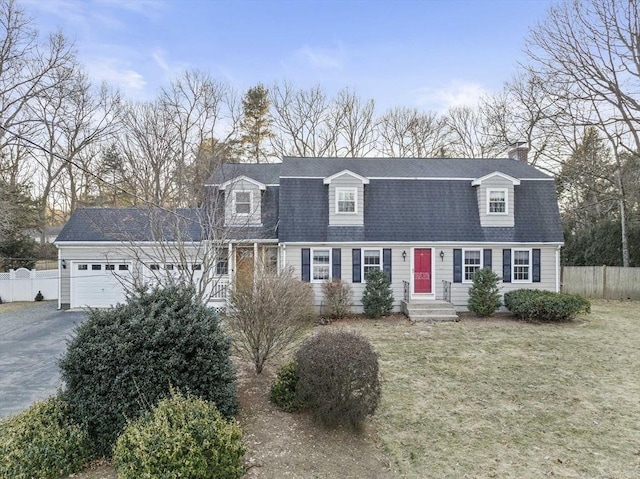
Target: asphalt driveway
{"x":33,"y":336}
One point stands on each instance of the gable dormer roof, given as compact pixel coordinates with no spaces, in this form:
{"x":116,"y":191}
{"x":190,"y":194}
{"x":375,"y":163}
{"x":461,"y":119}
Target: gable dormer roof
{"x":329,"y":179}
{"x":261,"y":186}
{"x":478,"y":181}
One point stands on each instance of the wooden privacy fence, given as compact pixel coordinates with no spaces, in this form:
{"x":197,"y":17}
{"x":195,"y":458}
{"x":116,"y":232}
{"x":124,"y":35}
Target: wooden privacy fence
{"x":606,"y":282}
{"x":23,"y":285}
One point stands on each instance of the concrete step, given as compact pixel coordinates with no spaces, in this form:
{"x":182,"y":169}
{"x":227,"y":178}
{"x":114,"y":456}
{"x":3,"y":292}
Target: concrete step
{"x":429,"y":311}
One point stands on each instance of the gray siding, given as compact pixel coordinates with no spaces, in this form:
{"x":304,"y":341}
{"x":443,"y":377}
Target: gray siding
{"x":496,"y":182}
{"x":254,"y":218}
{"x":346,"y":219}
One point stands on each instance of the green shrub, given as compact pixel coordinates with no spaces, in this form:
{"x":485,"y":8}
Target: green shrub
{"x":377,"y":298}
{"x":182,"y":437}
{"x":338,"y":377}
{"x":540,"y":305}
{"x":484,"y":294}
{"x":42,"y":442}
{"x":337,"y":298}
{"x":122,"y":361}
{"x":283,"y":389}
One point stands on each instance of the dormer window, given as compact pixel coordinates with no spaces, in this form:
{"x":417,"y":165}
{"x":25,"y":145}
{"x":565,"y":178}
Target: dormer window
{"x":346,"y":200}
{"x":242,"y":201}
{"x":497,"y":201}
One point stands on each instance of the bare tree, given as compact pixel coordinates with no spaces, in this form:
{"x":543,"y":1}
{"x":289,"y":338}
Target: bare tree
{"x":356,"y":122}
{"x":304,"y":122}
{"x":472,"y":133}
{"x":406,"y":132}
{"x":30,"y":67}
{"x":266,"y":319}
{"x":586,"y":54}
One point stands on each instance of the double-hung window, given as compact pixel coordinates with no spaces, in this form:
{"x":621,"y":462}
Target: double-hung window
{"x":222,"y":261}
{"x":242,"y":202}
{"x":371,"y":260}
{"x":346,"y":200}
{"x":321,"y":265}
{"x":472,"y":263}
{"x":497,"y":202}
{"x":521,"y":265}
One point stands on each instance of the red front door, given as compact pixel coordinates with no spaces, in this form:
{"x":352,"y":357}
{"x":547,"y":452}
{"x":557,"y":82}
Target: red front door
{"x":422,"y":270}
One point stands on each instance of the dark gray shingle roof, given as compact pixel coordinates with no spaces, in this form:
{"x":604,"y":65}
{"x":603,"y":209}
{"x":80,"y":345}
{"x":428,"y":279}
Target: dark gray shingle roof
{"x":132,"y":224}
{"x":408,"y":167}
{"x":425,"y":210}
{"x":269,"y":174}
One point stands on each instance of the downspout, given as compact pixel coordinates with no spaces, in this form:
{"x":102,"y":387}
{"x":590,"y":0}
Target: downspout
{"x":558,"y":268}
{"x":60,"y":280}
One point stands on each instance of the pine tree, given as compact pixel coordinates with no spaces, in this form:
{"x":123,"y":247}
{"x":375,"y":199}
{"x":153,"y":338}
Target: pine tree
{"x":256,"y":123}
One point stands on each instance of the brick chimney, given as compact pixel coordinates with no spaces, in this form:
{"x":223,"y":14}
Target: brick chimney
{"x":519,"y":151}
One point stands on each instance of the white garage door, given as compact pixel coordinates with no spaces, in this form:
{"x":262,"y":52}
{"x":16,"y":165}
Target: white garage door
{"x":99,"y":284}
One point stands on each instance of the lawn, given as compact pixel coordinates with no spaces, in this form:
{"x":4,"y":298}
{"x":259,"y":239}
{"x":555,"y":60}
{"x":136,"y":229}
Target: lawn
{"x":500,"y":398}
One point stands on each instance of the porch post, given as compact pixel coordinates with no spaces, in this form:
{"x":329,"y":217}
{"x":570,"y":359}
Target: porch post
{"x":231,"y":266}
{"x":255,"y":261}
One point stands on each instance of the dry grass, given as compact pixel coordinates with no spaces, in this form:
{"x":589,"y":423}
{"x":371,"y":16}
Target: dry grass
{"x":499,"y":398}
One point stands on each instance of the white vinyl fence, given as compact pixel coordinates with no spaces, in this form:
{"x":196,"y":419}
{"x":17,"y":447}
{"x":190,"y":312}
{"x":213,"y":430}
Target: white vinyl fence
{"x":607,"y":282}
{"x":23,"y":284}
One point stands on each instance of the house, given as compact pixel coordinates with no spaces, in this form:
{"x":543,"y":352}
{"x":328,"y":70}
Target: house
{"x":428,"y":223}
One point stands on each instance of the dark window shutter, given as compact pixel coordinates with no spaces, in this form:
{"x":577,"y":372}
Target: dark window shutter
{"x":336,"y":267}
{"x":306,"y":264}
{"x":486,"y":263}
{"x":356,"y":269}
{"x":536,"y":265}
{"x":506,"y":265}
{"x":386,"y":262}
{"x":457,"y":266}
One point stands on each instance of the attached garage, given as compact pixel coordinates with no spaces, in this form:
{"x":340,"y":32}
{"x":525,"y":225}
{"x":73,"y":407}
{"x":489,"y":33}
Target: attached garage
{"x":99,"y":284}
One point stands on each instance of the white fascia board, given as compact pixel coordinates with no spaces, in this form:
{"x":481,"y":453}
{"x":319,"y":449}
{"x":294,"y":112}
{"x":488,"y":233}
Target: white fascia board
{"x":478,"y":181}
{"x":364,"y":244}
{"x":235,"y":180}
{"x":329,"y":179}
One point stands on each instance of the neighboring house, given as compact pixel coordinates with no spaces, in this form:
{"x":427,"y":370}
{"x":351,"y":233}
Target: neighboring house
{"x":50,"y":234}
{"x":428,"y":223}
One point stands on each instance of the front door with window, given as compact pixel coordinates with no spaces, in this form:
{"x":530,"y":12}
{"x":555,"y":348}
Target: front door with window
{"x":422,"y":271}
{"x":244,"y":267}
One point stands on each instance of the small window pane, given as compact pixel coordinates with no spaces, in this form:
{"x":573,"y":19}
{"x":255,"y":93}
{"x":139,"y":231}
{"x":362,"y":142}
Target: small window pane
{"x":109,"y":267}
{"x":197,"y":267}
{"x":96,"y":267}
{"x":497,"y":201}
{"x":82,"y":267}
{"x":154,"y":267}
{"x":168,"y":267}
{"x":321,"y":264}
{"x":123,"y":267}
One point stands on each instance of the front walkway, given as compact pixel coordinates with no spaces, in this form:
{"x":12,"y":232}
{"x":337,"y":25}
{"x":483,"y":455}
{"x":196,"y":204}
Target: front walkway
{"x":33,"y":336}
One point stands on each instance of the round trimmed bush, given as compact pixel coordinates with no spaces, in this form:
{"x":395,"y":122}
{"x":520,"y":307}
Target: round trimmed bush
{"x":42,"y":442}
{"x":338,"y":377}
{"x":122,"y":361}
{"x":182,"y":437}
{"x":283,"y":389}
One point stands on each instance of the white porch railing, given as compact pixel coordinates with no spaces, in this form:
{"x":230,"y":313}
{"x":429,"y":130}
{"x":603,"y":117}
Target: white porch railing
{"x":23,"y":284}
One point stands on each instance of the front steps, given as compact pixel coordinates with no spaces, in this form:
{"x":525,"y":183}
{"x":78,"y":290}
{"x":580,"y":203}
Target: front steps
{"x":429,"y":310}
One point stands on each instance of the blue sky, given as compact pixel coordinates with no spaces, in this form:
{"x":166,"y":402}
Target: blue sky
{"x":424,"y":54}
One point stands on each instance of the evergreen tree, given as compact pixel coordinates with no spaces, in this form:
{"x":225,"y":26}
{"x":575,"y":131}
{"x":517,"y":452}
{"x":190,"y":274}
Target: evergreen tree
{"x":255,"y":125}
{"x":484,"y":295}
{"x":377,"y":298}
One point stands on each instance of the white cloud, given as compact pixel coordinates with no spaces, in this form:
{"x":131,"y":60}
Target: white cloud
{"x":322,"y":58}
{"x":130,"y":82}
{"x":456,"y":93}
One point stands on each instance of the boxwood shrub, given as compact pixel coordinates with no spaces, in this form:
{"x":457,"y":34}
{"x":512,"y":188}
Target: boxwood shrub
{"x":182,"y":437}
{"x":540,"y":305}
{"x":283,"y":389}
{"x":122,"y":361}
{"x":42,"y":442}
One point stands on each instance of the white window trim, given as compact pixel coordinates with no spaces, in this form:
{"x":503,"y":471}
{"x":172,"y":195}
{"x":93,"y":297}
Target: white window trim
{"x":235,"y":194}
{"x":355,"y":200}
{"x":362,"y":250}
{"x":513,"y":266}
{"x":311,"y":278}
{"x":464,"y":280}
{"x":506,"y":201}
